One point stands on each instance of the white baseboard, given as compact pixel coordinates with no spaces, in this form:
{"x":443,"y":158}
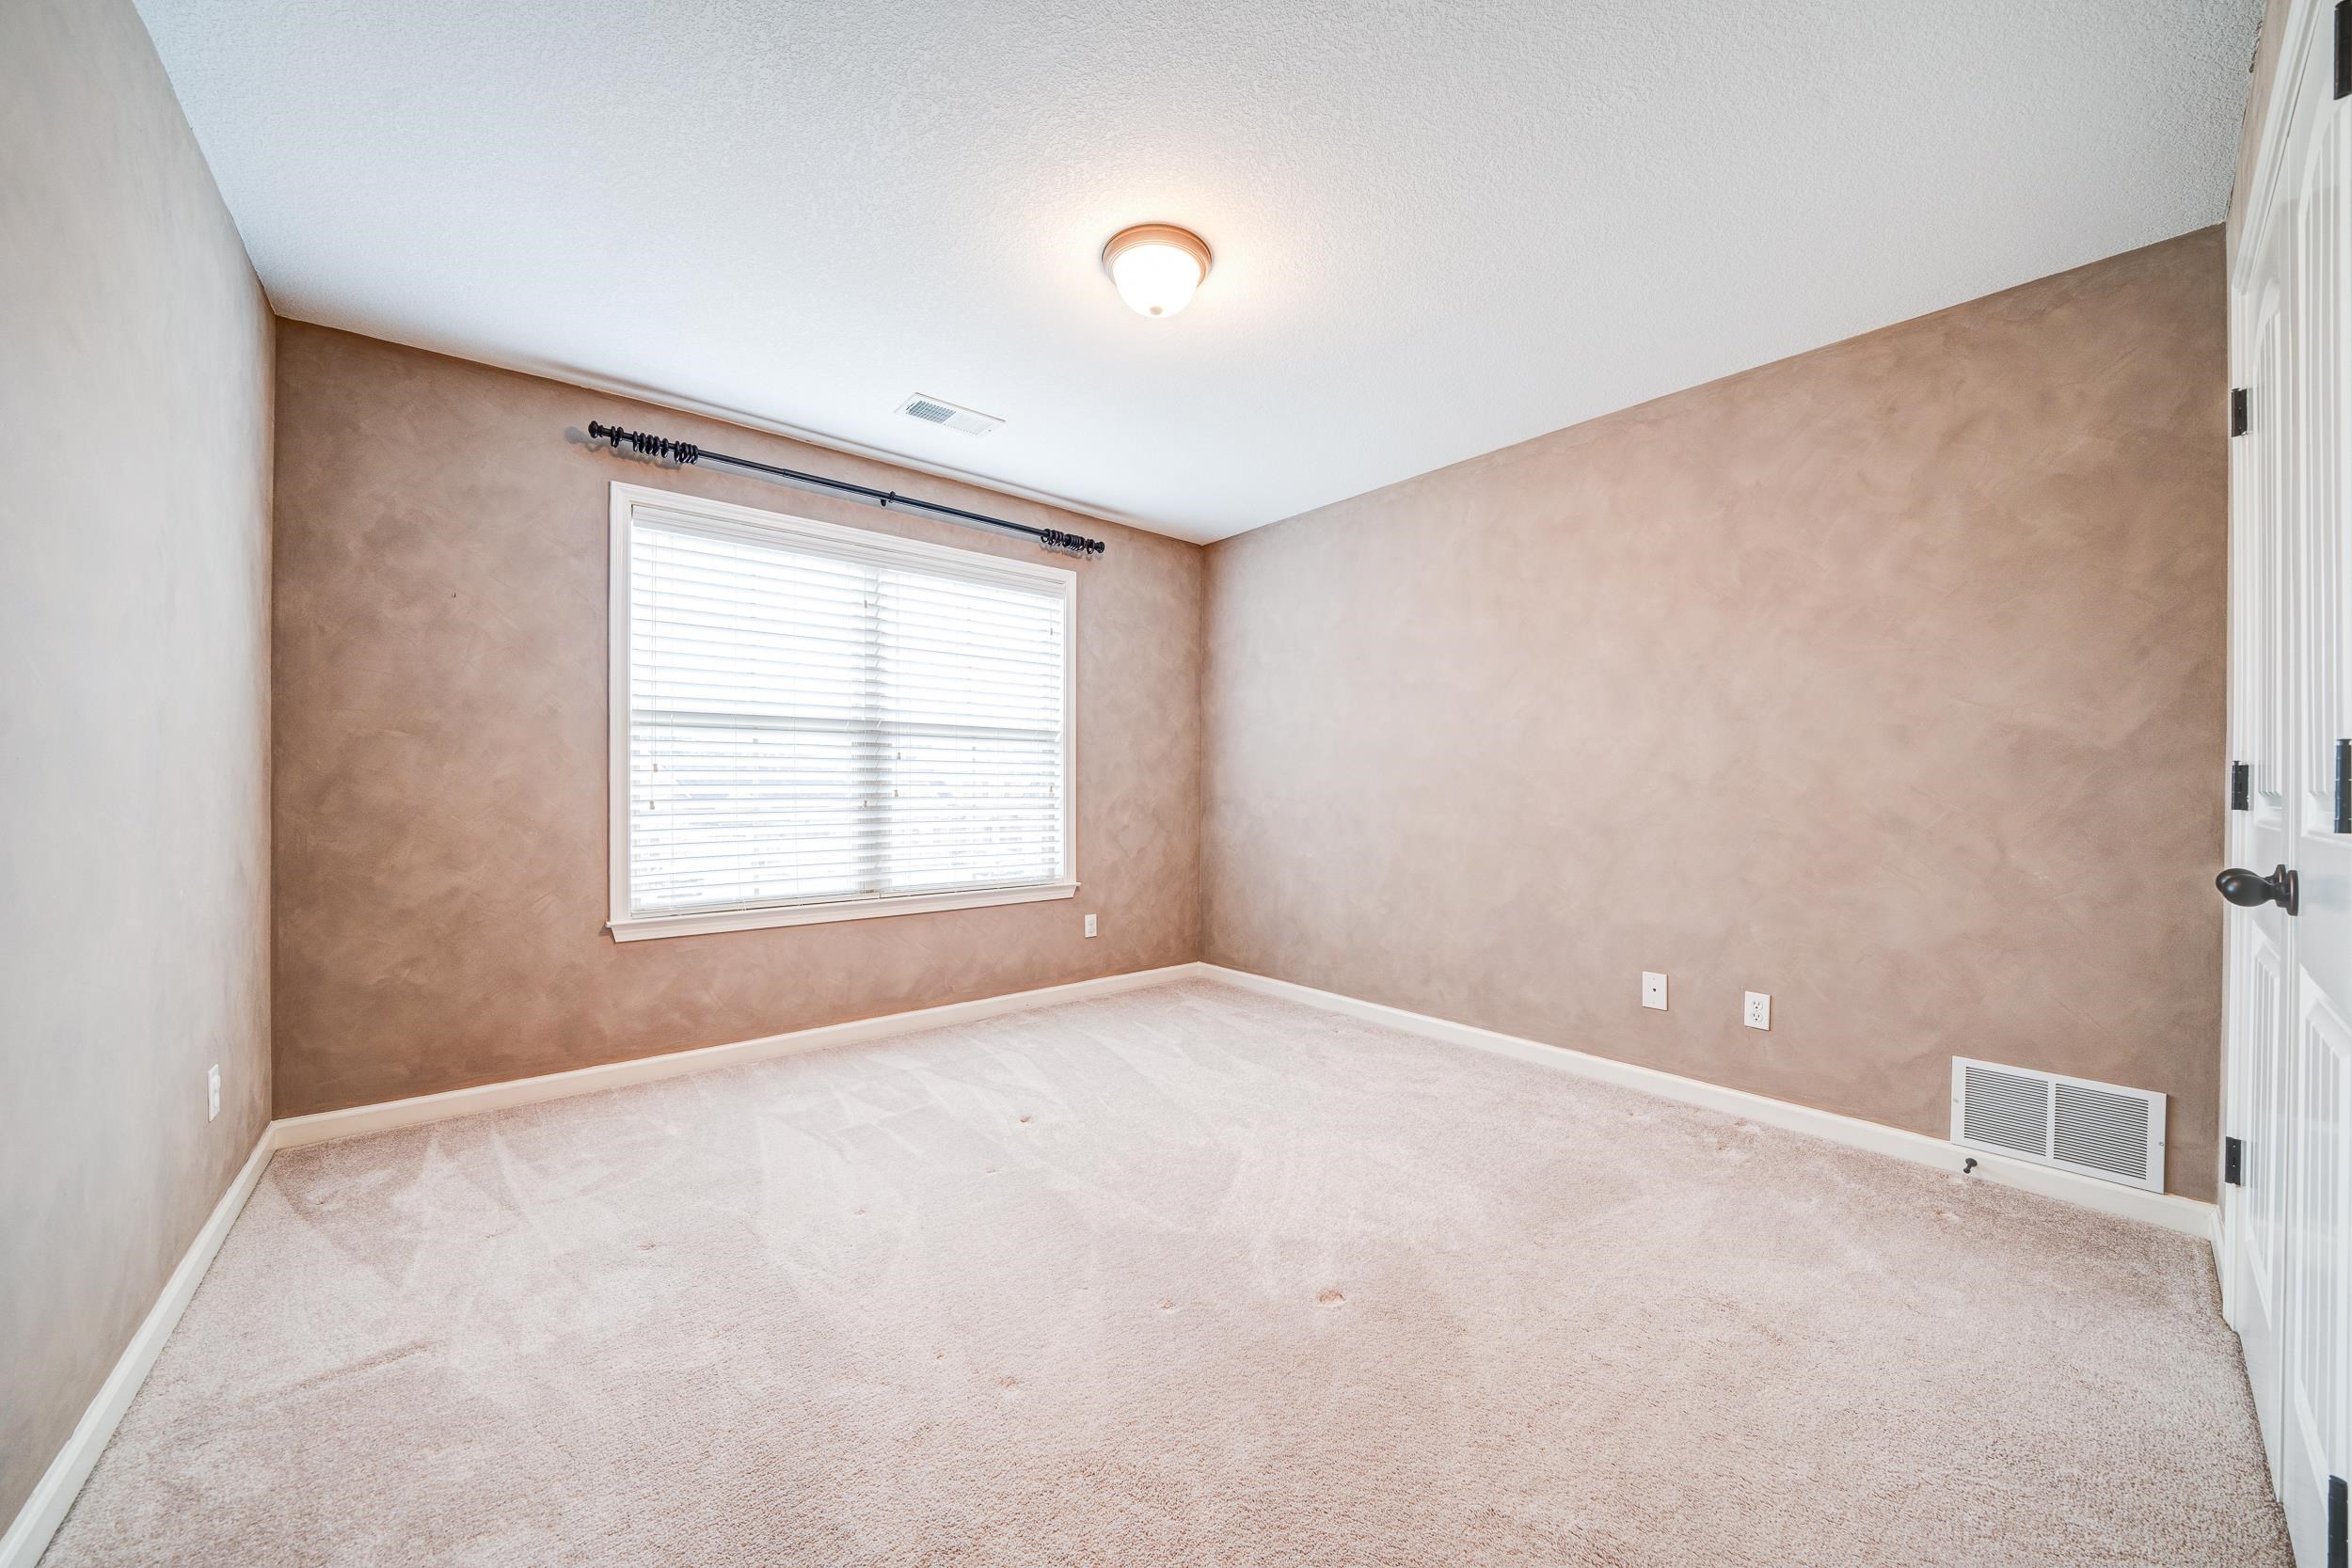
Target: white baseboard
{"x":28,"y":1536}
{"x":2224,"y":1276}
{"x":2184,"y":1214}
{"x":294,"y":1131}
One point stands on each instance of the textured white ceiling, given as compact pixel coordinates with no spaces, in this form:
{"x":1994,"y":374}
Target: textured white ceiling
{"x":1440,"y":227}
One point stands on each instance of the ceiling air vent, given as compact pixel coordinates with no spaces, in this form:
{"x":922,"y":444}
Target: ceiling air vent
{"x":2075,"y":1124}
{"x":940,"y":412}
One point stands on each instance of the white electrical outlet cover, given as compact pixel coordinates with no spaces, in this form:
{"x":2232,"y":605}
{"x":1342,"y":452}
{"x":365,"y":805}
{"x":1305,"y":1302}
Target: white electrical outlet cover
{"x":1759,"y":1011}
{"x":212,"y":1092}
{"x":1653,"y":989}
{"x":1090,"y":924}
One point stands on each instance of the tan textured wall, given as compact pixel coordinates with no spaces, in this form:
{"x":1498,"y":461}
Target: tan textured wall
{"x":1886,"y":679}
{"x":440,"y":747}
{"x":135,"y":408}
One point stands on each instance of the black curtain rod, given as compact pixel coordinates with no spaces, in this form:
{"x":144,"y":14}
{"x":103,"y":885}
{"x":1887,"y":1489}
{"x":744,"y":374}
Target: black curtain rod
{"x":686,"y":452}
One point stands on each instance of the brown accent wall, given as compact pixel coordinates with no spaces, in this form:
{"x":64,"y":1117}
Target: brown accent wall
{"x":1886,"y":679}
{"x":441,"y":802}
{"x":135,"y":410}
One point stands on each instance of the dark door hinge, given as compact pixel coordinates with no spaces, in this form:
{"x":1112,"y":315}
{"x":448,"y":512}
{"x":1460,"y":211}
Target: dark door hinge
{"x":2241,"y":786}
{"x":2241,"y":397}
{"x":2344,"y":49}
{"x":2343,"y":787}
{"x":2339,"y":1525}
{"x":2234,"y":1162}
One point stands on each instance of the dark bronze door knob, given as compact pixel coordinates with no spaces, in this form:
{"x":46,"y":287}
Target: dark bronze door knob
{"x":2246,"y":889}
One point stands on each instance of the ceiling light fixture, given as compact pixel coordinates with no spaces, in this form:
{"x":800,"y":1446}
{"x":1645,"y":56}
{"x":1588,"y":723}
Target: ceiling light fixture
{"x":1156,"y":267}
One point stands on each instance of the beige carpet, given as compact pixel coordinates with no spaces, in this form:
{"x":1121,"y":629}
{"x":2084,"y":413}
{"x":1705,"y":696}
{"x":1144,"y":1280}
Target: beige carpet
{"x":1184,"y":1277}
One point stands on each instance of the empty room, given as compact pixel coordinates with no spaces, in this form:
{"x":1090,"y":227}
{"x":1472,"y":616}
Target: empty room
{"x":1262,"y":784}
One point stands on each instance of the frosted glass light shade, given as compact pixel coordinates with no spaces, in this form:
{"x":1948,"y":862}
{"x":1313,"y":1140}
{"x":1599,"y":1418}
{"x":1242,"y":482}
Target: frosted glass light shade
{"x":1156,"y":267}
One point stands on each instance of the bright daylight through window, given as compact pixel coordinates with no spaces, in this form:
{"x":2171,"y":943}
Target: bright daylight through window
{"x":815,"y":722}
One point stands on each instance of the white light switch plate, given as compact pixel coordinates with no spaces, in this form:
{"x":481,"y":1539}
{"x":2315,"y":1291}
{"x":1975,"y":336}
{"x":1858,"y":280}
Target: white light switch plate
{"x":1759,"y":1011}
{"x":1090,"y":924}
{"x":1653,"y":989}
{"x":212,"y":1092}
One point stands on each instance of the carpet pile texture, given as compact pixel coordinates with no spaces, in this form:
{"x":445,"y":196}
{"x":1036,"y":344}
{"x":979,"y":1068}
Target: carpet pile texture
{"x":1187,"y":1275}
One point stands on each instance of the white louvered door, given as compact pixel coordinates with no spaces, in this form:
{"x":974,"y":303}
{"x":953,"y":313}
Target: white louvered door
{"x":2317,"y":1322}
{"x":2288,"y":1239}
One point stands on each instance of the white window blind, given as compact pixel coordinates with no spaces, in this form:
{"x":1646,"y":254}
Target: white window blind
{"x":828,"y":722}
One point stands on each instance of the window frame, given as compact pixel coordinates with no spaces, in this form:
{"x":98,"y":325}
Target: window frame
{"x":626,"y":926}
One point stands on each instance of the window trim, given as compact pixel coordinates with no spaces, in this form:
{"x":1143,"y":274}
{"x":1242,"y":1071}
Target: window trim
{"x":622,"y":923}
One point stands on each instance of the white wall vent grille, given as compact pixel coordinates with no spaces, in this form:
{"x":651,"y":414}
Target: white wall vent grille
{"x":940,"y":411}
{"x":2077,"y":1124}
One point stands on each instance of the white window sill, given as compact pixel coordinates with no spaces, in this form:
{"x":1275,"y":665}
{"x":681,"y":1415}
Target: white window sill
{"x":645,"y":927}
